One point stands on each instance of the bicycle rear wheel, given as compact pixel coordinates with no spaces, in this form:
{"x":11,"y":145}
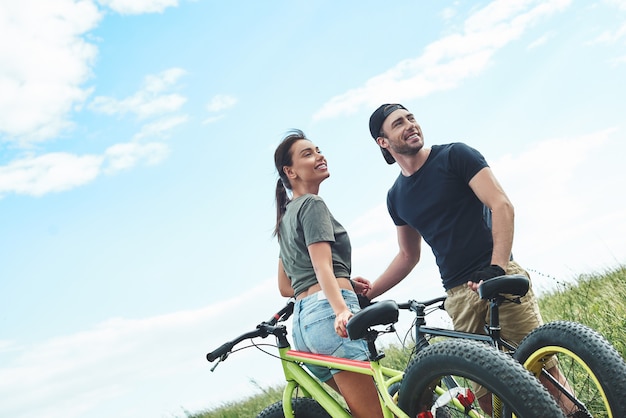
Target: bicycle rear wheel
{"x":593,"y":368}
{"x":423,"y":388}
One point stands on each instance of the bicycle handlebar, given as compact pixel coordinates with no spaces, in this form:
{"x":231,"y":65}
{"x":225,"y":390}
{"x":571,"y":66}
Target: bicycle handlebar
{"x":283,"y":314}
{"x":225,"y":348}
{"x":412,"y":303}
{"x":268,"y":327}
{"x":262,"y":330}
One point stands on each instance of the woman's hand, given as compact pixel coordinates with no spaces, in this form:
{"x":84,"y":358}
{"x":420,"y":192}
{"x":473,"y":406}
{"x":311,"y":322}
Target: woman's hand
{"x":340,"y":322}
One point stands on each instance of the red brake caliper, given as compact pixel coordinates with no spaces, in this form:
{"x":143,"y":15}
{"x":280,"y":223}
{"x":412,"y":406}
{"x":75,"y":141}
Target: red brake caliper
{"x":466,"y":399}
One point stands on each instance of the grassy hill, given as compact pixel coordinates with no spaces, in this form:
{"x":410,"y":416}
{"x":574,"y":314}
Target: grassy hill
{"x":598,"y":301}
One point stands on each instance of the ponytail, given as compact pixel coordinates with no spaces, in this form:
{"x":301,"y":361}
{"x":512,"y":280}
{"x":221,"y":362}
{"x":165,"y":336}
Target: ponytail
{"x":283,"y":158}
{"x":281,"y":205}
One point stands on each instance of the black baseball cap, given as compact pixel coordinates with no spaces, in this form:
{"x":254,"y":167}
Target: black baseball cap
{"x":376,"y":124}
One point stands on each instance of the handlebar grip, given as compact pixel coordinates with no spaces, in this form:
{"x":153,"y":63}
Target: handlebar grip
{"x":225,"y":348}
{"x":283,"y":314}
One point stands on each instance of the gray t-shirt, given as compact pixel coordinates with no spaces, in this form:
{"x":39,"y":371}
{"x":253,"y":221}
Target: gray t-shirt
{"x":306,"y":221}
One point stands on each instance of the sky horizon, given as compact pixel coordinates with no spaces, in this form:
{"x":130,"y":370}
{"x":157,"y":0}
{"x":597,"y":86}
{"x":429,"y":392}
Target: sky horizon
{"x":137,"y":180}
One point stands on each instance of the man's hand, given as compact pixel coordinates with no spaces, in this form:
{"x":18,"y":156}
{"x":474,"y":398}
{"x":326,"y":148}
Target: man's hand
{"x":484,"y":274}
{"x":361,"y":285}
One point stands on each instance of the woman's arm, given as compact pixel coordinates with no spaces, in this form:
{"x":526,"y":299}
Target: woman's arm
{"x":284,"y":284}
{"x":322,"y":260}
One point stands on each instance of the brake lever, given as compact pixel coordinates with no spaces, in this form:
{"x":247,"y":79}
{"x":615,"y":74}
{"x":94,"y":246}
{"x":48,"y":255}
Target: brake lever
{"x":224,"y":357}
{"x":216,"y":364}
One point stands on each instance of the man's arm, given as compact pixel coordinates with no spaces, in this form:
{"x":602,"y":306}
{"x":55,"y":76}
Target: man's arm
{"x":489,"y":191}
{"x":409,"y":250}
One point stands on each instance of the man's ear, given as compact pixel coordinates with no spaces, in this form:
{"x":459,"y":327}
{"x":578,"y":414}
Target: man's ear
{"x":382,"y":142}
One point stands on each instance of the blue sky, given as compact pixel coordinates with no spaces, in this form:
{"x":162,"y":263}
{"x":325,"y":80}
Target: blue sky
{"x":136,"y":173}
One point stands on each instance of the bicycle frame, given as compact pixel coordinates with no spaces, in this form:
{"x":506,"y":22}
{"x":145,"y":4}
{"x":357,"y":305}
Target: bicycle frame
{"x":298,"y":378}
{"x":492,"y":336}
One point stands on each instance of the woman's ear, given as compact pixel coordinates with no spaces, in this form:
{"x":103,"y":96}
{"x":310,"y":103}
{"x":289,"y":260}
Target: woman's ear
{"x":289,"y":171}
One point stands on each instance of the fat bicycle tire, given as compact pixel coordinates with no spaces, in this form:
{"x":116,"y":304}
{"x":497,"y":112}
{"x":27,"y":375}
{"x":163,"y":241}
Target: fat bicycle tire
{"x":302,"y":408}
{"x":593,"y":368}
{"x":518,"y":390}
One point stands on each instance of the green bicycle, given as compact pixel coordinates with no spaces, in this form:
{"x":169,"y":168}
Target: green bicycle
{"x":419,"y":391}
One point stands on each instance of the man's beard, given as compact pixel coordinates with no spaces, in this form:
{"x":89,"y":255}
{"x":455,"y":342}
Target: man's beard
{"x":406,"y":149}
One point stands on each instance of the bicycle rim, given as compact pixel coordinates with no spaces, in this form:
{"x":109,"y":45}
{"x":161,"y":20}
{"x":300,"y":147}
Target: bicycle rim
{"x":584,"y":382}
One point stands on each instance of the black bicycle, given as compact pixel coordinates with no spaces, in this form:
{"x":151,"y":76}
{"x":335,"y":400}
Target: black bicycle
{"x":592,"y":379}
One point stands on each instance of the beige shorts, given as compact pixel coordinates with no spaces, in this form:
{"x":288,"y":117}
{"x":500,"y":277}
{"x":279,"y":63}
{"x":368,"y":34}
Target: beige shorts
{"x":469,"y":313}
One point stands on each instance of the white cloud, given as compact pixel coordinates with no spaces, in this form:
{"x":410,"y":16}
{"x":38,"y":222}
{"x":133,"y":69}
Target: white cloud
{"x":127,"y":155}
{"x":161,"y":127}
{"x":449,"y":12}
{"x":6,"y":345}
{"x":150,"y":101}
{"x":53,"y":172}
{"x":610,"y":37}
{"x":618,"y":61}
{"x":542,"y":40}
{"x":221,"y":102}
{"x":567,"y":205}
{"x":134,"y":7}
{"x":112,"y":364}
{"x":212,"y":119}
{"x":140,"y":104}
{"x":217,"y":104}
{"x":160,"y":82}
{"x":61,"y":171}
{"x":448,"y":61}
{"x":620,"y":4}
{"x":39,"y":88}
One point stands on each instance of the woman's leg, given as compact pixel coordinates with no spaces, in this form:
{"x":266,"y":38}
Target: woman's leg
{"x":360,"y":394}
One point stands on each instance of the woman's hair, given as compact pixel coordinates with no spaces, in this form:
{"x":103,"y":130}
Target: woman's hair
{"x":283,"y":156}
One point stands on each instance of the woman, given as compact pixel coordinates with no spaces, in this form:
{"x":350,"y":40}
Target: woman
{"x":314,"y":267}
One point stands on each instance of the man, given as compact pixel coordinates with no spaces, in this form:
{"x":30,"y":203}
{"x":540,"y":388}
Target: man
{"x":448,"y":195}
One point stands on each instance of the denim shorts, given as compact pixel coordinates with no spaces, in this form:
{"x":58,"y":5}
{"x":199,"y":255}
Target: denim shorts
{"x":314,"y":331}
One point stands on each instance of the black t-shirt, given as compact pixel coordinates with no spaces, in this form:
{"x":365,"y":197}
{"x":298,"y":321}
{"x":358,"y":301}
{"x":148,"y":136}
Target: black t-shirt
{"x":438,"y":202}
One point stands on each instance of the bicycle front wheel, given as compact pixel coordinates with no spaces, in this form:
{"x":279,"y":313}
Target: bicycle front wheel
{"x":302,"y":408}
{"x":594,"y":370}
{"x":423,"y":389}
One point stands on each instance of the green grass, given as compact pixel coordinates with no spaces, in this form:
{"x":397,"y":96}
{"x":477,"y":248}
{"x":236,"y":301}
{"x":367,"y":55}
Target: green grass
{"x":598,"y":301}
{"x":248,"y":407}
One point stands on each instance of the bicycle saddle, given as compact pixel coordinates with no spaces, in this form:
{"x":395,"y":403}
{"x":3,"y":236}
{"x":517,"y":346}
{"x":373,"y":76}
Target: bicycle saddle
{"x":514,"y":284}
{"x":379,"y":313}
